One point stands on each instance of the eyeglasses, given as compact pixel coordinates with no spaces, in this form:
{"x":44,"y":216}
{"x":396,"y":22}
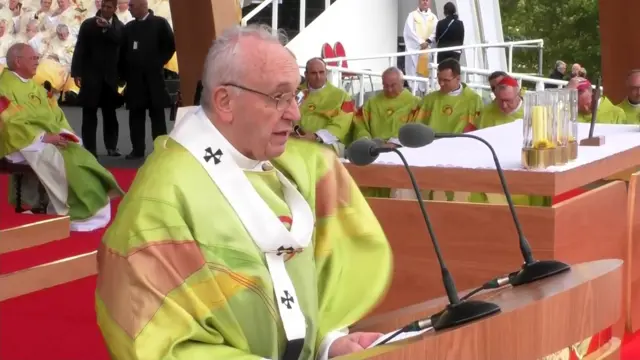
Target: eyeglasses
{"x":282,"y":101}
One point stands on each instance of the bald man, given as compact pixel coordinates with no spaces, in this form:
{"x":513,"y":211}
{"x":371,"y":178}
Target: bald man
{"x":147,"y":45}
{"x":36,"y":132}
{"x":326,"y":111}
{"x":382,"y":116}
{"x":631,"y":104}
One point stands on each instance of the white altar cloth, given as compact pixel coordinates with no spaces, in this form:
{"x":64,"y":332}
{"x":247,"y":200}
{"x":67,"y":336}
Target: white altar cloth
{"x":507,"y":141}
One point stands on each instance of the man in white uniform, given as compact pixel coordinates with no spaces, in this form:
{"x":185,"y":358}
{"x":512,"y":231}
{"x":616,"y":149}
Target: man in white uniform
{"x":419,"y":34}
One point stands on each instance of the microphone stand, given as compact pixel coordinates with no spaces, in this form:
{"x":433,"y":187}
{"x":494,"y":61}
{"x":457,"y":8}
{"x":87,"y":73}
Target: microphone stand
{"x":532,"y":269}
{"x":457,"y":312}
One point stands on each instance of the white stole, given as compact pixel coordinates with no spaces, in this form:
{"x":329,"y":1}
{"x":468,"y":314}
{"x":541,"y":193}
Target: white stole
{"x":223,"y":163}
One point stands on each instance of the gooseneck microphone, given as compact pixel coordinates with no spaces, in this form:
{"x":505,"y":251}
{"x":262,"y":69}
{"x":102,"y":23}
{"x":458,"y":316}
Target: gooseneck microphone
{"x":366,"y":151}
{"x":418,"y":135}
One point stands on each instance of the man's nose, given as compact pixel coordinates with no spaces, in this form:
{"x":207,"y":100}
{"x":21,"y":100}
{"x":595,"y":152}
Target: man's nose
{"x":292,"y":112}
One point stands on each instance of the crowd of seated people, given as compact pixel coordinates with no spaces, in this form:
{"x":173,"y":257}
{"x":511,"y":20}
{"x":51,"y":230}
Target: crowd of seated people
{"x":51,"y":28}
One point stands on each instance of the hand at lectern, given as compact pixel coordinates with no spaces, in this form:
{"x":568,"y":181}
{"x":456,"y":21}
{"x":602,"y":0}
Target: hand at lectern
{"x":352,"y":343}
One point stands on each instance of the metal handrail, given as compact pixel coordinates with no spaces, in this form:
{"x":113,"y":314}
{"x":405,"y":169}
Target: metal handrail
{"x":538,"y":42}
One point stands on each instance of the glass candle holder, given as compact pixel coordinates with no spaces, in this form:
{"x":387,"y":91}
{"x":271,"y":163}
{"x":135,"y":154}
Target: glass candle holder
{"x":540,"y":135}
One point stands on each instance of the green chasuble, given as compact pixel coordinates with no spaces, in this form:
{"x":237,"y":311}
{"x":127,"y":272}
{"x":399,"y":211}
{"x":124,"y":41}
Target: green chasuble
{"x":77,"y":185}
{"x":632,"y":112}
{"x":491,"y":115}
{"x":180,"y":276}
{"x":381,"y":118}
{"x":451,"y":112}
{"x":328,"y":112}
{"x":607,"y":114}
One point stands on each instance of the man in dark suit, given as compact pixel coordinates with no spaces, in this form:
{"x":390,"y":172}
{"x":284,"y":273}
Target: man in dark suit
{"x":95,"y":70}
{"x":147,"y":46}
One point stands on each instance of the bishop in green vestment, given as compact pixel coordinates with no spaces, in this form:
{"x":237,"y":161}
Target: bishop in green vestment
{"x":382,"y":116}
{"x":608,"y":113}
{"x":248,"y":246}
{"x":507,"y":107}
{"x":326,"y":111}
{"x":631,"y":104}
{"x":35,"y":131}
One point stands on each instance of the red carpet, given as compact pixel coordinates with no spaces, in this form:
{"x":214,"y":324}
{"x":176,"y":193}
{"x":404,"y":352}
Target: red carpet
{"x":59,"y":323}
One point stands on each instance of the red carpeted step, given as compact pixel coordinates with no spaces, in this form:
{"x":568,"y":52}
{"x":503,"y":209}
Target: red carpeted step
{"x":58,"y":323}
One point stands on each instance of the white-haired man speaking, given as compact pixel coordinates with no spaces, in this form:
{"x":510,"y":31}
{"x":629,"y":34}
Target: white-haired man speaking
{"x":235,"y":241}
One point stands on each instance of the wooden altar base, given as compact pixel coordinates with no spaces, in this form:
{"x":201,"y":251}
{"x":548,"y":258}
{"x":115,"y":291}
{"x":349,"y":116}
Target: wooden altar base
{"x":479,"y":241}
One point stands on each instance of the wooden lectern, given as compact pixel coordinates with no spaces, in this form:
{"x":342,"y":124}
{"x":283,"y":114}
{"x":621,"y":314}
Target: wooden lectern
{"x":479,"y":241}
{"x":537,"y":320}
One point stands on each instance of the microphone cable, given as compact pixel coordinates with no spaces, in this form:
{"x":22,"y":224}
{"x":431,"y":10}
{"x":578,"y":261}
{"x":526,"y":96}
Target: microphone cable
{"x":420,"y":325}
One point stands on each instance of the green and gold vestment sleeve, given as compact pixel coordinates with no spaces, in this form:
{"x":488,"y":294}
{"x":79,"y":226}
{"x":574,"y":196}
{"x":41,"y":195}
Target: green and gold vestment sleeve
{"x":353,"y":257}
{"x":157,"y":297}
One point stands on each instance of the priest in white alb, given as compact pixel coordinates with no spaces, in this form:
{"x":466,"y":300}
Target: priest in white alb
{"x":250,"y":244}
{"x":419,"y":34}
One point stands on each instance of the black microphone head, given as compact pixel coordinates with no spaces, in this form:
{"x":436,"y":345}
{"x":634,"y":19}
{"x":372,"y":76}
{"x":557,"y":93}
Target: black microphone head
{"x":47,"y":85}
{"x":415,"y":135}
{"x":360,"y":152}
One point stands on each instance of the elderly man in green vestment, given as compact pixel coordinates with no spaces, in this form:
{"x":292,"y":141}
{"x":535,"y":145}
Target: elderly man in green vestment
{"x":34,"y":131}
{"x":631,"y":104}
{"x":607,"y":112}
{"x":506,"y":107}
{"x":252,"y":244}
{"x":326,"y":111}
{"x":382,"y":116}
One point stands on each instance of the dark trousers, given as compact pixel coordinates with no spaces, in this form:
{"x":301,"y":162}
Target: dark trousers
{"x":138,"y":128}
{"x":110,"y":128}
{"x":448,"y":55}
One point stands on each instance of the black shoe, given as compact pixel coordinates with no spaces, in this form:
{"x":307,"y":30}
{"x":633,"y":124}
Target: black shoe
{"x":114,"y":153}
{"x":134,"y":156}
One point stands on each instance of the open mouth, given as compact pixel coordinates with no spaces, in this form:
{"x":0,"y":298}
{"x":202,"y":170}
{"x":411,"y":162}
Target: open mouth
{"x":282,"y":133}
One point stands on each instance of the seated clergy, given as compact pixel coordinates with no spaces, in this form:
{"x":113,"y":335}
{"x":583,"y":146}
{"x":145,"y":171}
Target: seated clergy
{"x":35,"y":131}
{"x":454,"y":106}
{"x":251,"y":245}
{"x":55,"y":66}
{"x":506,"y":107}
{"x":607,"y":112}
{"x":382,"y":115}
{"x":450,"y":109}
{"x":631,"y":104}
{"x":326,"y":111}
{"x":6,"y":40}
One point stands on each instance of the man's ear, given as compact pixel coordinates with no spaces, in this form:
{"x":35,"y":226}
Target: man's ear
{"x":222,"y":102}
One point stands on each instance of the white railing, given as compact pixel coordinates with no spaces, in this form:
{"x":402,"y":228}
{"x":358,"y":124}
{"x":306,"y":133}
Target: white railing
{"x":537,"y":44}
{"x":274,"y":13}
{"x":335,"y":76}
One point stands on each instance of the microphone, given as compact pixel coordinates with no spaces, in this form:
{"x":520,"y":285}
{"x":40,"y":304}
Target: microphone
{"x":418,"y":135}
{"x":364,"y":152}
